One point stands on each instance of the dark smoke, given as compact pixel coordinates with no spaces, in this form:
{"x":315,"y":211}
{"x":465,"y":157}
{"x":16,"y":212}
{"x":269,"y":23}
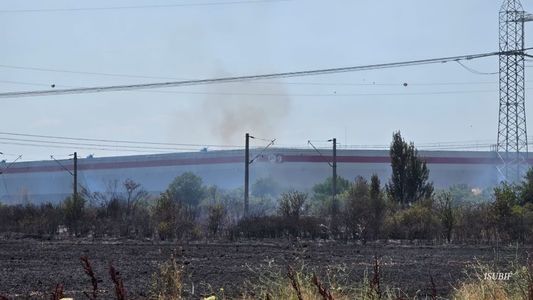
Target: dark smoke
{"x":231,"y":110}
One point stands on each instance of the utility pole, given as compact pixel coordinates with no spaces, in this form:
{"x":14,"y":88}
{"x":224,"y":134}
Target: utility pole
{"x":334,"y":204}
{"x":246,"y":173}
{"x":75,"y":175}
{"x":334,"y":167}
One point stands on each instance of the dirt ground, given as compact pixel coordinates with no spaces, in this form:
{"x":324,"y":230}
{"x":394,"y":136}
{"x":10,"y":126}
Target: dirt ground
{"x":30,"y":268}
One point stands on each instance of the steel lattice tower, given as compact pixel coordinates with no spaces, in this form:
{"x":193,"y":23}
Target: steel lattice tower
{"x":512,"y":132}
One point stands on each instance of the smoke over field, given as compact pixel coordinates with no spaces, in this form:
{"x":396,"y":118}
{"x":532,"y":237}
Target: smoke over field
{"x":229,"y":110}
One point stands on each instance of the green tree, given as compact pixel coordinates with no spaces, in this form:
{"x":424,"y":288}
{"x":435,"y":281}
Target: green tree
{"x":378,"y":207}
{"x":266,"y":187}
{"x":187,"y":189}
{"x":409,"y":181}
{"x":325,"y":188}
{"x":526,"y":188}
{"x":321,"y":202}
{"x":503,"y":210}
{"x":357,"y":212}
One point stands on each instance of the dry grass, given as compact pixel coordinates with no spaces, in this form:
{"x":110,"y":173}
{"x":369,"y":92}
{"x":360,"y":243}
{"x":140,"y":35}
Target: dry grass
{"x":167,"y":284}
{"x":304,"y":284}
{"x":476,"y":287}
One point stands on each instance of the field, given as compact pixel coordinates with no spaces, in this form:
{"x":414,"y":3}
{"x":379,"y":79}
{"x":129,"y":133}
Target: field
{"x":29,"y":267}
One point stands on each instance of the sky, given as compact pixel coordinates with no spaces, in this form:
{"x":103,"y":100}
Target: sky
{"x":174,"y":40}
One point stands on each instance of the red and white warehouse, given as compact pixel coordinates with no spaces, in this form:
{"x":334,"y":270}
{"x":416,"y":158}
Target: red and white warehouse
{"x":48,"y":181}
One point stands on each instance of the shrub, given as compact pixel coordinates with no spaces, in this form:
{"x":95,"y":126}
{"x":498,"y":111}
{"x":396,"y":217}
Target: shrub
{"x":216,"y":216}
{"x":417,"y":222}
{"x":74,"y":209}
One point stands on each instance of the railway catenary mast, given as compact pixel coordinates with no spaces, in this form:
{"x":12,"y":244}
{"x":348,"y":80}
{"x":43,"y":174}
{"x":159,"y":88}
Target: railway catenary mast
{"x":512,"y":146}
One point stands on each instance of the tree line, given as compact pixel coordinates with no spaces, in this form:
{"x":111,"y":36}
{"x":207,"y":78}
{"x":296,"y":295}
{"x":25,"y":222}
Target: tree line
{"x":406,"y":207}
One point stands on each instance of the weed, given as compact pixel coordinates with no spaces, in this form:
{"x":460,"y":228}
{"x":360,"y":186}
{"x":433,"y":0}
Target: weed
{"x":433,"y":288}
{"x":375,"y":283}
{"x":529,"y":278}
{"x":120,"y":290}
{"x":294,"y":282}
{"x":167,"y":283}
{"x":57,"y":293}
{"x":325,"y":293}
{"x":89,"y":271}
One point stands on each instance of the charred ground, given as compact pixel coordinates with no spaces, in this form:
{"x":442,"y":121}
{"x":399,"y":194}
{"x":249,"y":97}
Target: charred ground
{"x":33,"y":268}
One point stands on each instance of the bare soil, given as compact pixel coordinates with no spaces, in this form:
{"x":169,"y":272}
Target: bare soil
{"x":31,"y":269}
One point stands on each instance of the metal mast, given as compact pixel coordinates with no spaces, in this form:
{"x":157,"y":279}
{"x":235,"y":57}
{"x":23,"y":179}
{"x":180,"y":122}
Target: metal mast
{"x":512,"y":133}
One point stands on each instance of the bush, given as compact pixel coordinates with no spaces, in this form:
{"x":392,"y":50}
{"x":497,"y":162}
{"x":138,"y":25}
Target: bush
{"x":74,"y":209}
{"x":417,"y":222}
{"x":216,"y":216}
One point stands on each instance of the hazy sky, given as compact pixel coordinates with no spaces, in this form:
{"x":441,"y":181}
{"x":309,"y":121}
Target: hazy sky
{"x":441,"y":103}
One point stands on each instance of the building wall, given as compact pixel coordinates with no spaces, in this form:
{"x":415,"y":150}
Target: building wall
{"x":300,"y":169}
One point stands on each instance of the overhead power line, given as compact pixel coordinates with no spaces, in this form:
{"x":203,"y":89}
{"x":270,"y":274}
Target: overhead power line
{"x":248,"y":78}
{"x":120,"y":75}
{"x":118,"y":141}
{"x":471,"y":70}
{"x":93,"y":145}
{"x":40,"y":145}
{"x":331,"y":94}
{"x":304,"y":83}
{"x":140,"y":6}
{"x":84,"y":72}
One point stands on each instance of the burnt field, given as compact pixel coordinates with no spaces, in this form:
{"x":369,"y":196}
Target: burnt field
{"x":33,"y":268}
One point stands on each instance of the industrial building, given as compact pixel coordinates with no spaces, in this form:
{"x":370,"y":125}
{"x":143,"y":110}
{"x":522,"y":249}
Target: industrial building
{"x":300,"y":169}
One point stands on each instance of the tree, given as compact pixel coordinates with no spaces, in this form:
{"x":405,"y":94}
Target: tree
{"x":447,"y":214}
{"x":357,"y":213}
{"x":322,"y":203}
{"x":410,"y":175}
{"x":503,"y":213}
{"x":325,"y":188}
{"x":377,"y":207}
{"x":176,"y":209}
{"x":526,"y":189}
{"x":187,"y":189}
{"x":266,"y":187}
